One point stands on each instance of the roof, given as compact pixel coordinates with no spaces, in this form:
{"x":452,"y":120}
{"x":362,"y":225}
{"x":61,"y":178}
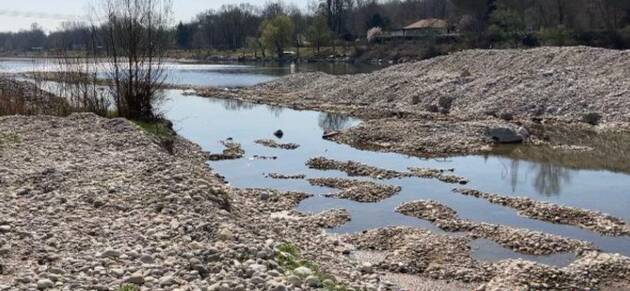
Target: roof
{"x":428,"y":23}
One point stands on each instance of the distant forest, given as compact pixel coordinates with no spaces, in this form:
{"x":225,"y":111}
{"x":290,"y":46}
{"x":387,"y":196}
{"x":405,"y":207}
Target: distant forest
{"x":481,"y":23}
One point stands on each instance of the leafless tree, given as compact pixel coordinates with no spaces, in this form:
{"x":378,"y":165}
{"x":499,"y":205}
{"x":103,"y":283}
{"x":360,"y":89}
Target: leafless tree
{"x":135,"y":40}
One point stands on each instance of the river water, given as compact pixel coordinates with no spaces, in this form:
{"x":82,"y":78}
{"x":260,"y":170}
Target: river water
{"x":207,"y":121}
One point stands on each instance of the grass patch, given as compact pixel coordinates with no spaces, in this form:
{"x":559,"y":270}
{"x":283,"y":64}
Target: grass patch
{"x":9,"y":138}
{"x":289,"y":259}
{"x":128,"y":287}
{"x":160,"y":130}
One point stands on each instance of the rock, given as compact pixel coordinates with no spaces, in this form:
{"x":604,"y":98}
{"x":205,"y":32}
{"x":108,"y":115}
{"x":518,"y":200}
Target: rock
{"x":294,"y":280}
{"x":313,"y":281}
{"x":504,"y":135}
{"x":366,"y":268}
{"x":5,"y":228}
{"x":147,"y":259}
{"x":302,"y":271}
{"x":225,"y":234}
{"x":136,"y":278}
{"x":279,"y":133}
{"x":110,"y":253}
{"x":279,"y":287}
{"x":44,"y":284}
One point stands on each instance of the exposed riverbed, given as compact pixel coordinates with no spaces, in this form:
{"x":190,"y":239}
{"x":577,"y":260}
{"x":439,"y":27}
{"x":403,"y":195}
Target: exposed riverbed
{"x":206,"y":121}
{"x":510,"y":171}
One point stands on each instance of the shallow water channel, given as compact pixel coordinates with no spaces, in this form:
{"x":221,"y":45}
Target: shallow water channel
{"x":207,"y":121}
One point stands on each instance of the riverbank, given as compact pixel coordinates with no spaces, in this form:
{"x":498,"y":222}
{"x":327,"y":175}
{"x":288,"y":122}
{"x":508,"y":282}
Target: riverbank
{"x":467,"y":102}
{"x":92,"y":203}
{"x":108,"y":206}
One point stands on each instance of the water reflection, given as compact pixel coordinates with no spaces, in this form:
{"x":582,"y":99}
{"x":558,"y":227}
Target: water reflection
{"x":333,"y":121}
{"x":548,"y":178}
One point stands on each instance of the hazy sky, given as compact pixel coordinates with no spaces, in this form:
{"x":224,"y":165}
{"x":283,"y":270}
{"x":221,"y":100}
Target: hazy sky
{"x":20,"y":14}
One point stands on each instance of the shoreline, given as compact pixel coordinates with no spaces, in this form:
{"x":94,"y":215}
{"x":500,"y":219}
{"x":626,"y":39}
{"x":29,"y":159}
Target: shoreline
{"x":260,"y":225}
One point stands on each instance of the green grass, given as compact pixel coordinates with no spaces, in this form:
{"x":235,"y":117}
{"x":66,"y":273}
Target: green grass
{"x":288,"y":257}
{"x":158,"y":129}
{"x":128,"y":287}
{"x":9,"y":138}
{"x":155,"y":128}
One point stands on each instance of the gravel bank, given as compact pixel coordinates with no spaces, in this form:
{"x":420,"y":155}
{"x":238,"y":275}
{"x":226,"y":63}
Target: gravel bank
{"x":479,"y":92}
{"x":583,"y":218}
{"x":556,"y":82}
{"x":88,"y":203}
{"x":519,"y":240}
{"x":360,"y":191}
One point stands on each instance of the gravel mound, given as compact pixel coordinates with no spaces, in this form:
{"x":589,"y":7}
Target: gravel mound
{"x":566,"y":82}
{"x":88,"y":203}
{"x":583,"y":218}
{"x":355,"y":190}
{"x":519,"y":240}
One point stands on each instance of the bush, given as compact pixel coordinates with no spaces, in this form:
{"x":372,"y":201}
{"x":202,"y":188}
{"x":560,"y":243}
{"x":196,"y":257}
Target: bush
{"x":556,"y":37}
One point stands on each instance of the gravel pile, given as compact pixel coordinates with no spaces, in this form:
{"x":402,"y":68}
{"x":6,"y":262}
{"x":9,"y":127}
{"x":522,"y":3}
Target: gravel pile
{"x":88,"y":203}
{"x":439,"y":174}
{"x":519,"y":240}
{"x":232,"y":151}
{"x":583,"y":218}
{"x":564,"y":82}
{"x":353,"y":168}
{"x":355,"y":190}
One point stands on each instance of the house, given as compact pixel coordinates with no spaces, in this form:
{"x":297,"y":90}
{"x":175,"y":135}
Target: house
{"x":423,"y":28}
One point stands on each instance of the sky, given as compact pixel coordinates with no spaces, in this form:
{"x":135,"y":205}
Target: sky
{"x":20,"y":14}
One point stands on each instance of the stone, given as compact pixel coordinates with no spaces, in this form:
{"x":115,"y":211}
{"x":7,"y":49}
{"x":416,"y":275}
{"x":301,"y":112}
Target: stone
{"x":110,"y":253}
{"x":5,"y":228}
{"x":313,"y":281}
{"x":136,"y":278}
{"x":279,"y":133}
{"x":302,"y":271}
{"x":44,"y":284}
{"x":294,"y":280}
{"x":147,"y":259}
{"x":504,"y":135}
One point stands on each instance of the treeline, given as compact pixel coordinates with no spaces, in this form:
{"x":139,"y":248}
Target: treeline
{"x":481,"y":23}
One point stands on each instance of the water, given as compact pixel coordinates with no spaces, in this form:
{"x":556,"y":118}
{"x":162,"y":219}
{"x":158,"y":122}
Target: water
{"x":215,"y":75}
{"x":206,"y":121}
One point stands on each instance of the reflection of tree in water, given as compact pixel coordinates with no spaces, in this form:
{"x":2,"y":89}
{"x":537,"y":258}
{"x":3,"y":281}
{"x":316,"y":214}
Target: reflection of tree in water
{"x":332,"y":121}
{"x":549,"y":178}
{"x":275,"y":110}
{"x":236,"y":105}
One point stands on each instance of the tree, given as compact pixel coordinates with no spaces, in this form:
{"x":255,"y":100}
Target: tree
{"x":277,"y":33}
{"x":135,"y":38}
{"x":506,"y":26}
{"x":183,"y":36}
{"x":318,"y":33}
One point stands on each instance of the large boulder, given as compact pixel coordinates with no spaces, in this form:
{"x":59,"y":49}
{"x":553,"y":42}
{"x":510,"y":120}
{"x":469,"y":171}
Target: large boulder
{"x":505,"y":135}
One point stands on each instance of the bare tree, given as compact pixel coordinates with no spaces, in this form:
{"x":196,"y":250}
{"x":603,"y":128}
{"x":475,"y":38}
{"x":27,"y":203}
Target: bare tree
{"x":136,"y":39}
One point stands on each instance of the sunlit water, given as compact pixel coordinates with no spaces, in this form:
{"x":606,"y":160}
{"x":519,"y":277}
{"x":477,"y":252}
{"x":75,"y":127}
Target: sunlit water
{"x":207,"y":121}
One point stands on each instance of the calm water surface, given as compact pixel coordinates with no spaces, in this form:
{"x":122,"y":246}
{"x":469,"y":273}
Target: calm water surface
{"x":207,"y":121}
